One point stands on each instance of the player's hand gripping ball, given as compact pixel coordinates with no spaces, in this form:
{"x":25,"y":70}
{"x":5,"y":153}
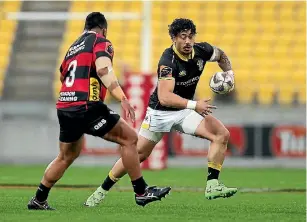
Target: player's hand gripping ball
{"x":222,"y":82}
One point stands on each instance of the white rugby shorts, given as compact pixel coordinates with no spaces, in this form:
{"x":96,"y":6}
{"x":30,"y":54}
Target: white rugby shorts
{"x":157,"y":122}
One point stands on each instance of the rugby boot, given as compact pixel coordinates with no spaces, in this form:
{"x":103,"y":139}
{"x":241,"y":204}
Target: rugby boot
{"x":151,"y":194}
{"x":36,"y":205}
{"x":216,"y":189}
{"x":97,"y":197}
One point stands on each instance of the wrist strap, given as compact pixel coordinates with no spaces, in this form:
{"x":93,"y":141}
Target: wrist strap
{"x":191,"y":104}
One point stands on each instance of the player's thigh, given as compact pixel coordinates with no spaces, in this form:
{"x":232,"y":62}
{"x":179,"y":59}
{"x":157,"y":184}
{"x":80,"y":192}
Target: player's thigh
{"x":71,"y":126}
{"x":211,"y":128}
{"x":70,"y":151}
{"x":205,"y":127}
{"x":159,"y":121}
{"x":187,"y":122}
{"x":147,"y":141}
{"x":100,"y":120}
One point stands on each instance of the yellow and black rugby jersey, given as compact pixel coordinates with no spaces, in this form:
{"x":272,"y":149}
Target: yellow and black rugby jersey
{"x":185,"y":71}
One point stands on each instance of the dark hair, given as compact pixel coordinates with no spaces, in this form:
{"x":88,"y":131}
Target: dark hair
{"x":94,"y":20}
{"x":179,"y":25}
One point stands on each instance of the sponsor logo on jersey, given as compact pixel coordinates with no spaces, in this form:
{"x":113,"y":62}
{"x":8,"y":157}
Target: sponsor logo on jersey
{"x":188,"y":82}
{"x":68,"y":97}
{"x":74,"y":49}
{"x":94,"y":90}
{"x":182,"y":73}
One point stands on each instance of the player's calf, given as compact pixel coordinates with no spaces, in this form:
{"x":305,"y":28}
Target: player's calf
{"x":217,"y":152}
{"x":212,"y":129}
{"x":222,"y":138}
{"x":111,"y":180}
{"x":55,"y":170}
{"x":214,"y":188}
{"x":125,"y":136}
{"x":144,"y":147}
{"x":149,"y":195}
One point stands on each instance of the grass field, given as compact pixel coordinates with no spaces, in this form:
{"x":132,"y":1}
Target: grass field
{"x":264,"y":195}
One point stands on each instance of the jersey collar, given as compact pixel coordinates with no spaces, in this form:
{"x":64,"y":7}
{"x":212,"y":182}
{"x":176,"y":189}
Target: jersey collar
{"x":90,"y":31}
{"x":182,"y":57}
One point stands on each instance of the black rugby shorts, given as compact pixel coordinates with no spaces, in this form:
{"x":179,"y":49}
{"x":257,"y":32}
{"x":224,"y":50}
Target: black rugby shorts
{"x":96,"y":120}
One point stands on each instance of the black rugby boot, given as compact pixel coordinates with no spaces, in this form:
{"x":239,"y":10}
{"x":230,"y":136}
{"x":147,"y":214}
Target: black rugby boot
{"x":151,"y":194}
{"x":36,"y":205}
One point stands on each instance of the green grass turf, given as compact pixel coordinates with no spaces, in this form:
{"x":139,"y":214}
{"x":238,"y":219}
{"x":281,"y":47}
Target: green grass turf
{"x":179,"y":206}
{"x":184,"y":177}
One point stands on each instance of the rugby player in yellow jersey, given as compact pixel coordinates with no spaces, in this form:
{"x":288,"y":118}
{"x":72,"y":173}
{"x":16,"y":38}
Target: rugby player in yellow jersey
{"x":171,"y":107}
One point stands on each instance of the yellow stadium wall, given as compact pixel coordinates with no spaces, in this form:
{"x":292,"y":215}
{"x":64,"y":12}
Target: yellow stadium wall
{"x":265,"y":41}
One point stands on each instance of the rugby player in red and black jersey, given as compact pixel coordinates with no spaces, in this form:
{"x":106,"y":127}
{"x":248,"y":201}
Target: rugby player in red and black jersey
{"x":87,"y":67}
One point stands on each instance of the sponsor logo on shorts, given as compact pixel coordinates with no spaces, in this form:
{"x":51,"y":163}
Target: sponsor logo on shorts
{"x":94,"y":90}
{"x":146,"y":122}
{"x":100,"y":124}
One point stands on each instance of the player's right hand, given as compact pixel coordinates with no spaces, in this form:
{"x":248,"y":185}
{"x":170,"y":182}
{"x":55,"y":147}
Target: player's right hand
{"x":128,"y":109}
{"x":204,"y":108}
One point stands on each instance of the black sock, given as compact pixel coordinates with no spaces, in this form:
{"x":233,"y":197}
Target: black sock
{"x":213,"y":173}
{"x":139,"y":186}
{"x":107,"y":183}
{"x":42,"y":193}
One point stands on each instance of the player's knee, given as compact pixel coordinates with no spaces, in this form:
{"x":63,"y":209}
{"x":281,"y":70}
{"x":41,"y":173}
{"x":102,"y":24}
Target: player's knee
{"x":143,"y":155}
{"x":222,"y":136}
{"x":131,"y":139}
{"x":67,"y":159}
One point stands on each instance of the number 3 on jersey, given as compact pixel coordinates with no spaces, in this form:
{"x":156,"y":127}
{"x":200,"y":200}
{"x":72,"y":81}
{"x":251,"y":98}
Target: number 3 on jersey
{"x":72,"y":73}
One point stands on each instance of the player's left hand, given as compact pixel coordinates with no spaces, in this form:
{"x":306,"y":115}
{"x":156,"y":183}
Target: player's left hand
{"x":128,"y":109}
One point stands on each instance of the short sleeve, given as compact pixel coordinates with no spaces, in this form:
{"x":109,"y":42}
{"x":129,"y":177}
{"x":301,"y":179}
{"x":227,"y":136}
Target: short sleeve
{"x":62,"y":67}
{"x":207,"y":50}
{"x":103,"y":48}
{"x":166,"y":66}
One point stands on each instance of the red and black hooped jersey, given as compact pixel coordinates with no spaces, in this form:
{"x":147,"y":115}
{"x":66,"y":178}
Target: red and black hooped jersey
{"x":80,"y":82}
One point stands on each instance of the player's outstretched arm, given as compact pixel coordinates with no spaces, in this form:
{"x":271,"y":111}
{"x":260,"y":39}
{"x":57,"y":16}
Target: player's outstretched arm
{"x":105,"y":72}
{"x":222,"y":59}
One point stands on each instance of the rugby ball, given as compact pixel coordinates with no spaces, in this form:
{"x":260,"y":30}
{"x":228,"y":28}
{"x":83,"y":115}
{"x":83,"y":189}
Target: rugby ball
{"x":222,"y":83}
